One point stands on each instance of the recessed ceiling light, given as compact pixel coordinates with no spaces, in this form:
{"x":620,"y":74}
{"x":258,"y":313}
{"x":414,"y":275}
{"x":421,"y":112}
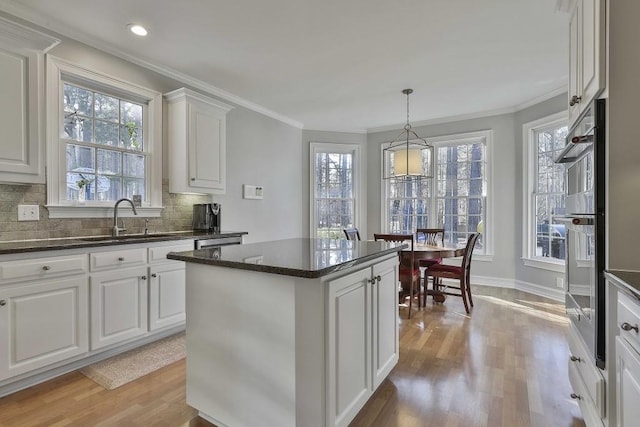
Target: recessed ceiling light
{"x":137,"y":29}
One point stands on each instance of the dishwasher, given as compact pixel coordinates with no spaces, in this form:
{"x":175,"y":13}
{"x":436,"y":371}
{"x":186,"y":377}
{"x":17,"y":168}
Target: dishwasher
{"x":215,"y":244}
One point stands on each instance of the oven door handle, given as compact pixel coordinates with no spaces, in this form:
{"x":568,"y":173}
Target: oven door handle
{"x":576,"y":220}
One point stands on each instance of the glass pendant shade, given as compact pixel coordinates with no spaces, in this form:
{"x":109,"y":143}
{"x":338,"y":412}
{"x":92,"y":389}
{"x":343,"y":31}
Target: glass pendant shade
{"x":408,"y":156}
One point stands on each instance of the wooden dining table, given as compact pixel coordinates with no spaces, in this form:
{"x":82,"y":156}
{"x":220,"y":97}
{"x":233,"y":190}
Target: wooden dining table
{"x":422,"y":251}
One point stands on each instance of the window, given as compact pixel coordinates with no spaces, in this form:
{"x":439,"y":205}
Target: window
{"x":545,"y":189}
{"x":334,"y":204}
{"x":103,"y":136}
{"x":106,"y":143}
{"x":455,"y":199}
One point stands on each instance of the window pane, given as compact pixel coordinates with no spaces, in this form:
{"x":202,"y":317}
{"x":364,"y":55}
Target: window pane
{"x":80,"y":158}
{"x":106,"y":107}
{"x":131,"y":113}
{"x":109,"y":162}
{"x":133,"y":166}
{"x":112,"y":188}
{"x":106,"y":133}
{"x":131,"y":137}
{"x":78,"y":128}
{"x":78,"y":100}
{"x":133,"y":186}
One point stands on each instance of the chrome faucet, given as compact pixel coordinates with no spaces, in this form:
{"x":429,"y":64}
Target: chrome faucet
{"x":116,"y":230}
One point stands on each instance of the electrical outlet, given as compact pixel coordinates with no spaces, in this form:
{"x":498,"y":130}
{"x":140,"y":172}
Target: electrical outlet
{"x":28,"y":212}
{"x":560,"y":282}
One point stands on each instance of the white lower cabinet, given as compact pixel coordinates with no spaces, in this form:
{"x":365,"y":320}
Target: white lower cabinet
{"x":42,"y":323}
{"x":118,"y":306}
{"x":166,"y":295}
{"x":627,"y":384}
{"x":362,"y":336}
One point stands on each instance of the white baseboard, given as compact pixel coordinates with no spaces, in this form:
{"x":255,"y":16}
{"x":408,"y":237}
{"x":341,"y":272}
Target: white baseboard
{"x":532,"y":288}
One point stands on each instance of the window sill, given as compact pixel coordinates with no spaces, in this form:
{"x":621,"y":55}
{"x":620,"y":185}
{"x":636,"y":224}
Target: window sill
{"x":556,"y":266}
{"x":83,"y":211}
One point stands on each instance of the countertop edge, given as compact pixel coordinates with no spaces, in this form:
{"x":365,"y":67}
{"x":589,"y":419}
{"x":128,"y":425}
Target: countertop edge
{"x":633,"y":285}
{"x":306,"y":274}
{"x":16,"y":247}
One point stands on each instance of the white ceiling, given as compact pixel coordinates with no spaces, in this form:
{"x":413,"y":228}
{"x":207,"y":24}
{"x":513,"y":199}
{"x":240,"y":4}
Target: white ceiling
{"x":337,"y":64}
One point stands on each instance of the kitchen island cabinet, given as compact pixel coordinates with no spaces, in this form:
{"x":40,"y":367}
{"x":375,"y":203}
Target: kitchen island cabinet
{"x":304,"y":329}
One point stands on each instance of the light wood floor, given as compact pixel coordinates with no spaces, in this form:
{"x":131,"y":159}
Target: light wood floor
{"x":503,"y":366}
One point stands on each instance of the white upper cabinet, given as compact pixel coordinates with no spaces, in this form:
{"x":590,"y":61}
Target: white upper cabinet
{"x":22,"y":103}
{"x":586,"y":55}
{"x":197,"y":143}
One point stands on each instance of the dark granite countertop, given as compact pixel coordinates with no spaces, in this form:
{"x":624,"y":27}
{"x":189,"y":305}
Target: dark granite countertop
{"x":21,"y":246}
{"x":629,"y":280}
{"x":308,"y":258}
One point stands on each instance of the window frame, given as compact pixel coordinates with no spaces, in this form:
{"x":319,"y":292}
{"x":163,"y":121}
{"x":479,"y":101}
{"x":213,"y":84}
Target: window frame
{"x":334,"y":147}
{"x":529,"y":229}
{"x":486,"y":137}
{"x":60,"y":71}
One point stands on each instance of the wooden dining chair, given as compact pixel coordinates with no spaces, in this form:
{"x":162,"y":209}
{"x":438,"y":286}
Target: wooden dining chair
{"x":460,"y":273}
{"x":352,"y":233}
{"x":430,"y":236}
{"x":409,"y":272}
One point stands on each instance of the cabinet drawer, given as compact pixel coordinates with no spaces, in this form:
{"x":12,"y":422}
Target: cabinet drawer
{"x":122,"y":258}
{"x":159,"y":253}
{"x":591,"y":377}
{"x":629,"y":320}
{"x":40,"y":268}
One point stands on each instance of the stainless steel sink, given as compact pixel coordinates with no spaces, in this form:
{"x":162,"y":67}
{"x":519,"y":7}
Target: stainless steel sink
{"x":125,"y":237}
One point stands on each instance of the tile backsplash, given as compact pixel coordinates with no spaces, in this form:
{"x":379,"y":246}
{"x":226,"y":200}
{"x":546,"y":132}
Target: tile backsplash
{"x":176,"y":215}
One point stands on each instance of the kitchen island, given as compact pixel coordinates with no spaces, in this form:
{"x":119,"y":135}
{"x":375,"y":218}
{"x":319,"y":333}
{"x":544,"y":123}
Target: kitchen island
{"x":296,"y":332}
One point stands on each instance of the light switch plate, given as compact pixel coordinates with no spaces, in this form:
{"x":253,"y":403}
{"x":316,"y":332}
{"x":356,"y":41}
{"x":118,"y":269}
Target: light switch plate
{"x":252,"y":191}
{"x":28,"y":212}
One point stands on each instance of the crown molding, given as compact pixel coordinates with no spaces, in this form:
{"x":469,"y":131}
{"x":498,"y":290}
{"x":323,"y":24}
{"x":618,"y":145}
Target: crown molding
{"x":476,"y":115}
{"x":12,"y":33}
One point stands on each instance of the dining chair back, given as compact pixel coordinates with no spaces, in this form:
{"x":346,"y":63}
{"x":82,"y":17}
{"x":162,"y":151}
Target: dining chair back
{"x":352,"y":233}
{"x":409,"y":272}
{"x":460,"y":273}
{"x":430,"y":236}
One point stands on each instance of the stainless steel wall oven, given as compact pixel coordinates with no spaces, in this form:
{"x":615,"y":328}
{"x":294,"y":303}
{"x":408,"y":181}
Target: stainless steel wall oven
{"x":585,"y":225}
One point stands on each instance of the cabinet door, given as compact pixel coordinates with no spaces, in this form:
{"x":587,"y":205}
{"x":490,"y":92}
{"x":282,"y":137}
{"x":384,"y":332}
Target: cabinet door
{"x":42,"y":323}
{"x":197,"y":143}
{"x":207,"y":148}
{"x":575,"y":44}
{"x":118,"y":306}
{"x":348,"y":346}
{"x":592,"y":62}
{"x":21,"y":103}
{"x":384,"y":319}
{"x":166,"y":295}
{"x":627,"y":384}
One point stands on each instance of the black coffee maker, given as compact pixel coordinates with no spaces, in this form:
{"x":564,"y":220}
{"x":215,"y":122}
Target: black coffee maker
{"x":206,"y":216}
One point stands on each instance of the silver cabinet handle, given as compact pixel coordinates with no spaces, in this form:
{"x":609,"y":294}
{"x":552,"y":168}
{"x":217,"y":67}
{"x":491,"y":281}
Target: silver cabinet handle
{"x":575,"y":396}
{"x":627,"y":327}
{"x":120,"y":258}
{"x":378,"y":279}
{"x":575,"y":99}
{"x":144,"y":277}
{"x":3,"y":302}
{"x":372,"y":281}
{"x":574,"y":359}
{"x":193,"y":179}
{"x":46,"y":267}
{"x":154,"y":275}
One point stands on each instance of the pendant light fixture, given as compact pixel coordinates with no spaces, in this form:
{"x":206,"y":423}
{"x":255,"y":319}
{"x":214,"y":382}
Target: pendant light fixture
{"x":408,"y":157}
